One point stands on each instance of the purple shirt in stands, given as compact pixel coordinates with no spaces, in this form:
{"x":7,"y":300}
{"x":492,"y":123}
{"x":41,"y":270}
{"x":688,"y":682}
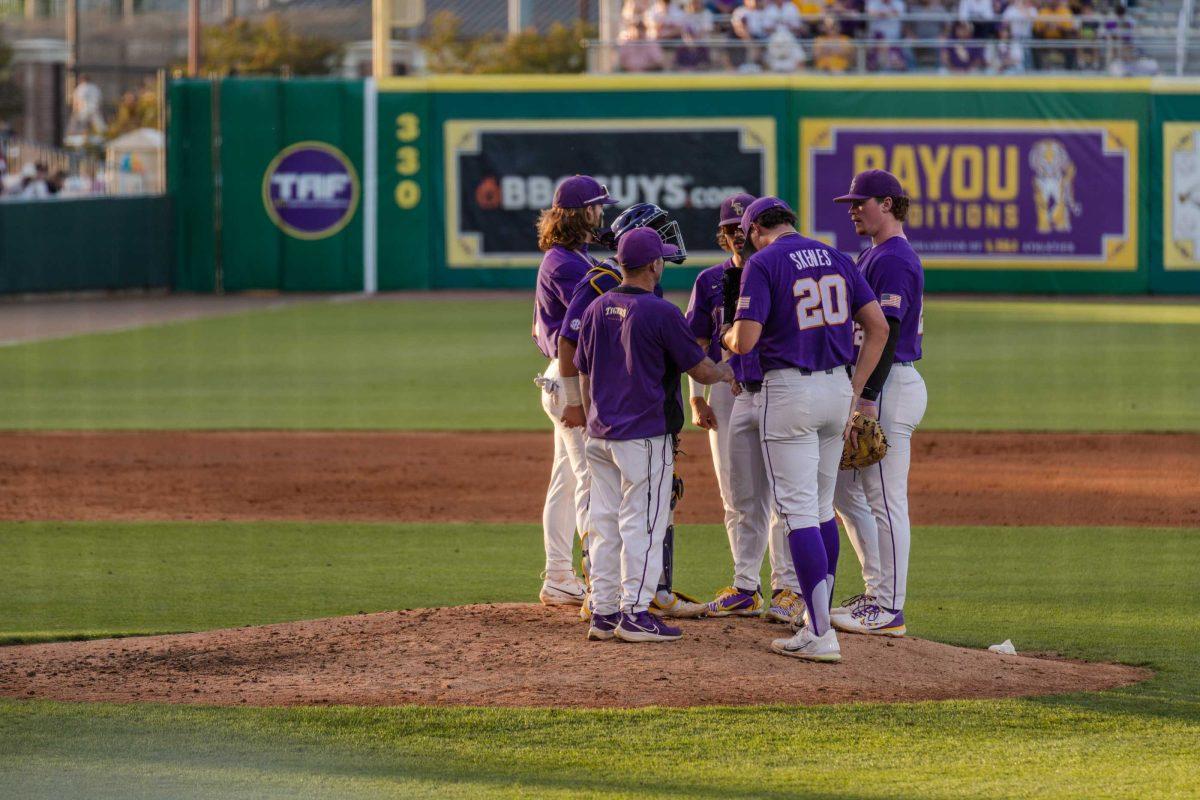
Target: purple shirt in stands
{"x":805,"y":294}
{"x":894,"y":273}
{"x":560,"y":271}
{"x":633,"y":347}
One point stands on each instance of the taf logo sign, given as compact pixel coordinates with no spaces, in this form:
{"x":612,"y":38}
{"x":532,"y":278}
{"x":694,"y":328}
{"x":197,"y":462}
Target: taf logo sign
{"x":310,"y":190}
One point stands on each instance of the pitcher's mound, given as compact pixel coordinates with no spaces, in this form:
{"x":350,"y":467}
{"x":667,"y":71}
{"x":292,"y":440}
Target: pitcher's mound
{"x":520,"y":655}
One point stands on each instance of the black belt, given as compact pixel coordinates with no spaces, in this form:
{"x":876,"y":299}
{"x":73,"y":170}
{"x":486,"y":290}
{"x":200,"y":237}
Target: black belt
{"x":904,"y":363}
{"x":753,"y":387}
{"x":805,"y":371}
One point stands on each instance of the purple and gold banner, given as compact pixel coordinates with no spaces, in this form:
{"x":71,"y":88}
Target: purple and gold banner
{"x":984,"y":194}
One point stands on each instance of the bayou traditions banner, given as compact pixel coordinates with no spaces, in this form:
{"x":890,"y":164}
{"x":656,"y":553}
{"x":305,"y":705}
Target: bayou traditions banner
{"x":984,"y":193}
{"x":501,"y":173}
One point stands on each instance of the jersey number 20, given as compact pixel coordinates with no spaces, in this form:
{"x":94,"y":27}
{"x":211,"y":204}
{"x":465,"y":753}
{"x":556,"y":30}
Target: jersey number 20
{"x":821,"y":302}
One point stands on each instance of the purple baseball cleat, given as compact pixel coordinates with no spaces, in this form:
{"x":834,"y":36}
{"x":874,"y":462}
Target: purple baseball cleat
{"x":603,"y":627}
{"x":732,"y":601}
{"x":645,"y":627}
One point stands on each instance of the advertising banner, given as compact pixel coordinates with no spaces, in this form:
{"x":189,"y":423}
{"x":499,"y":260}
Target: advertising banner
{"x":501,"y":173}
{"x":1181,"y":195}
{"x":310,"y":190}
{"x":985,"y":193}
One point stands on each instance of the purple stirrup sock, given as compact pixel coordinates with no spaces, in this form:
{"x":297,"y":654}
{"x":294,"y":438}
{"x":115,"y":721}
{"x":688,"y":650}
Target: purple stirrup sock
{"x":829,"y":535}
{"x":812,"y":567}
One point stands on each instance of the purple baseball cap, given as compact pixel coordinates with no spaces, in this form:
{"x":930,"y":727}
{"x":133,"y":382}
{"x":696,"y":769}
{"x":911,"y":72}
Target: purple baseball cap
{"x":760,"y":207}
{"x":733,"y":207}
{"x":580,"y":191}
{"x":641,"y":246}
{"x":872,"y":183}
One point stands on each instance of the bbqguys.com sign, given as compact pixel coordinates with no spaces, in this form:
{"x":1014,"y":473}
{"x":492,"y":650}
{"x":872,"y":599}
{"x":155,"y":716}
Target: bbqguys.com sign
{"x":310,"y":190}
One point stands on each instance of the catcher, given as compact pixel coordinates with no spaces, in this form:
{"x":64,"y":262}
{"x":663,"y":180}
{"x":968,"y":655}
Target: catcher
{"x":871,"y":497}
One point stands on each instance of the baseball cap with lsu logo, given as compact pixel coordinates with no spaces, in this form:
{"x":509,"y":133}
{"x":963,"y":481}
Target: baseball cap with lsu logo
{"x":733,"y":207}
{"x":872,"y":183}
{"x":642,"y":246}
{"x":580,"y":191}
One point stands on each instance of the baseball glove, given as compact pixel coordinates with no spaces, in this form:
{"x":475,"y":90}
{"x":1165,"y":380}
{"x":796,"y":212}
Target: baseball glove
{"x":872,"y":444}
{"x":731,"y":286}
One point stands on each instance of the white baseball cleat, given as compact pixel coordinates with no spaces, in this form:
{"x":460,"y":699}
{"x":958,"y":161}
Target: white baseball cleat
{"x":810,"y":647}
{"x":873,"y":620}
{"x":563,"y":589}
{"x":850,"y":605}
{"x":677,"y":605}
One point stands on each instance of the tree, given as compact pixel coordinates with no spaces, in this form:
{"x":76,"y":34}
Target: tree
{"x":559,"y":50}
{"x":242,"y":47}
{"x":10,"y":94}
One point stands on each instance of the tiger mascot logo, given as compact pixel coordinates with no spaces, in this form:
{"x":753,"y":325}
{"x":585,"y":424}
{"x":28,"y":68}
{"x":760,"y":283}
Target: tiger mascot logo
{"x":1053,"y":186}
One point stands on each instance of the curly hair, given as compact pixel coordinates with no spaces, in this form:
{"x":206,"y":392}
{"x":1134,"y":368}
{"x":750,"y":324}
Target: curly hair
{"x":563,"y":226}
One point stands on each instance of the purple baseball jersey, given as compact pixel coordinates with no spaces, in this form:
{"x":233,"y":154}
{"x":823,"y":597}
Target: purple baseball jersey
{"x":707,"y":307}
{"x":805,"y":294}
{"x":705,"y":313}
{"x":633,"y":346}
{"x":894,"y":273}
{"x":559,"y":273}
{"x":596,"y":281}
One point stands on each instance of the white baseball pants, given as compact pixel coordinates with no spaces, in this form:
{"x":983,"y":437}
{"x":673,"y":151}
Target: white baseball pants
{"x":566,"y":507}
{"x":873,"y":503}
{"x":630,"y":510}
{"x":756,"y":527}
{"x":802,"y":418}
{"x":720,"y":397}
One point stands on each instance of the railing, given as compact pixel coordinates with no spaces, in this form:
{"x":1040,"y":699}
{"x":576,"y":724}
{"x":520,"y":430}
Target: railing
{"x":1095,"y":56}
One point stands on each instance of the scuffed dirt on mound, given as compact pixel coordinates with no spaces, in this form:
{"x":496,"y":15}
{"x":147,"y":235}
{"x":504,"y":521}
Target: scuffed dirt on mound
{"x":521,"y":655}
{"x":957,"y":478}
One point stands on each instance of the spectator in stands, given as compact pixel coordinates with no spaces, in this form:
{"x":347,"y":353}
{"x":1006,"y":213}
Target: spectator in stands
{"x":784,"y":53}
{"x":637,"y":54}
{"x":851,"y":13}
{"x":811,"y":14}
{"x":1129,"y":63}
{"x":982,"y":16}
{"x":35,"y":184}
{"x":1118,"y":27}
{"x":664,"y":21}
{"x":1055,"y":22}
{"x":1019,"y":17}
{"x":1087,"y":59}
{"x":751,"y":23}
{"x":1007,"y":56}
{"x":888,"y":56}
{"x":697,"y":27}
{"x":962,"y":53}
{"x":633,"y":11}
{"x":783,"y":13}
{"x":885,"y":18}
{"x":832,"y":49}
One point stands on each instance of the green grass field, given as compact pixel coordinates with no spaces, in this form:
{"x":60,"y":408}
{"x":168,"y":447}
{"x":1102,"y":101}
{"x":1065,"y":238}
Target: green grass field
{"x":434,"y":364}
{"x":1101,"y":593}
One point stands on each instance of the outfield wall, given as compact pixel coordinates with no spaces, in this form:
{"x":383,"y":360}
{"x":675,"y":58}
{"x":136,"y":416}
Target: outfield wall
{"x":83,"y":244}
{"x":1078,"y":185}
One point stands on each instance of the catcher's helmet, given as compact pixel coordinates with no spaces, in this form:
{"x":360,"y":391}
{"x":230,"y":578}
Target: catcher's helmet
{"x":648,"y":215}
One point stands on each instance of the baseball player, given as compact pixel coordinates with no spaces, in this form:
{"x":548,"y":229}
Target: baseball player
{"x":733,"y":438}
{"x":798,"y":297}
{"x":598,"y":280}
{"x":564,"y":232}
{"x":632,"y":348}
{"x":873,"y":503}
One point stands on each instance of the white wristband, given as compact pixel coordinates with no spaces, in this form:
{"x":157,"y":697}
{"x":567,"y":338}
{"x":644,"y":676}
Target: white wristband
{"x":571,"y":390}
{"x":695,"y":387}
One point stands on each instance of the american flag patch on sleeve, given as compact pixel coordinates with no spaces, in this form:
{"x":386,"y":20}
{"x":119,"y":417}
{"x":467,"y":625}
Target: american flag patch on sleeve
{"x":889,"y":300}
{"x":743,"y":302}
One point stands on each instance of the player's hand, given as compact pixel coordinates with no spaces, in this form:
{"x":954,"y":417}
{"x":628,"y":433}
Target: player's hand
{"x":726,"y":373}
{"x":703,"y":415}
{"x":573,"y":417}
{"x":868,"y":408}
{"x":736,"y":388}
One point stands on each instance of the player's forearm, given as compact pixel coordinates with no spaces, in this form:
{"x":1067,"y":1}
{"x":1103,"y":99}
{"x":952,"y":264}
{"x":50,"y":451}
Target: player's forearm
{"x":585,"y":391}
{"x":879,"y":375}
{"x":566,"y":358}
{"x":742,"y":337}
{"x":875,"y":334}
{"x":709,"y":372}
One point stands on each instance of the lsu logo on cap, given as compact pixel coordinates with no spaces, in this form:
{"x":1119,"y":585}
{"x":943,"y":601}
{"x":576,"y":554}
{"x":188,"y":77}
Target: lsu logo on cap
{"x":737,"y":208}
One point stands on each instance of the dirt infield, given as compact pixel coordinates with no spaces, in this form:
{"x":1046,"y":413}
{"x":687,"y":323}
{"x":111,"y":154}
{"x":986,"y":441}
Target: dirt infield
{"x":957,"y":478}
{"x":519,"y":655}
